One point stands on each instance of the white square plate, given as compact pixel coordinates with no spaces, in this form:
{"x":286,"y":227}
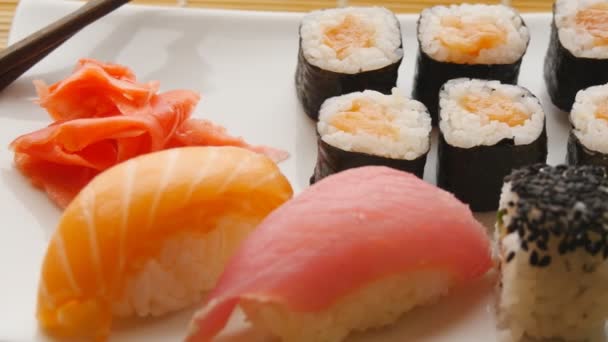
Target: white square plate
{"x":243,"y":64}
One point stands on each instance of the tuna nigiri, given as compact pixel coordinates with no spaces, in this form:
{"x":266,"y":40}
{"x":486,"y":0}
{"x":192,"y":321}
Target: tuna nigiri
{"x":151,"y":235}
{"x":355,"y":251}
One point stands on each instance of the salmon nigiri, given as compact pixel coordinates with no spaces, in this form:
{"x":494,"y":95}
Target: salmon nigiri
{"x":152,"y":235}
{"x":355,"y":251}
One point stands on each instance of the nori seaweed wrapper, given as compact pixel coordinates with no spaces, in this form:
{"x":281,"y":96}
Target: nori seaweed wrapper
{"x":314,"y":85}
{"x":475,"y":175}
{"x":430,"y":76}
{"x":578,"y":154}
{"x":332,"y":160}
{"x":566,"y":74}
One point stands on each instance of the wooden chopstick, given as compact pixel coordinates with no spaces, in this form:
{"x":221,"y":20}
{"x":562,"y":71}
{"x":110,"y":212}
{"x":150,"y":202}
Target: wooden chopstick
{"x":21,"y":56}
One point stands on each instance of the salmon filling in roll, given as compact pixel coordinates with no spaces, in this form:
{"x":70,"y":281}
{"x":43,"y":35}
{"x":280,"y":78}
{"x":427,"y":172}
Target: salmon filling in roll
{"x":583,"y":27}
{"x":594,"y":19}
{"x":589,"y":118}
{"x":351,"y":33}
{"x":587,"y":144}
{"x":391,"y":126}
{"x":473,"y":34}
{"x":351,"y":40}
{"x":478,"y":112}
{"x":470,"y":38}
{"x":364,"y":116}
{"x":494,"y":107}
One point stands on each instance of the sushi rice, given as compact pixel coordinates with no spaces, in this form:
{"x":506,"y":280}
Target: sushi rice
{"x":381,"y":24}
{"x":378,"y":304}
{"x":465,"y":129}
{"x":165,"y":283}
{"x":548,"y":291}
{"x":577,"y":30}
{"x":590,"y":129}
{"x":511,"y":36}
{"x":407,"y":119}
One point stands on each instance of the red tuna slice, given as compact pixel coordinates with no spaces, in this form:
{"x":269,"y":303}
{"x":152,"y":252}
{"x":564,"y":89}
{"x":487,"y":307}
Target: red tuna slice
{"x":94,"y":89}
{"x":344,"y":233}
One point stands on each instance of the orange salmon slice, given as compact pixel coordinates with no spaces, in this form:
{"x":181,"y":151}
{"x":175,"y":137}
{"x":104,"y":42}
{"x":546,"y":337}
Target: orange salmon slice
{"x":470,"y":38}
{"x":495,"y":107}
{"x":350,"y":34}
{"x":602,"y":110}
{"x":366,"y":116}
{"x":594,"y":19}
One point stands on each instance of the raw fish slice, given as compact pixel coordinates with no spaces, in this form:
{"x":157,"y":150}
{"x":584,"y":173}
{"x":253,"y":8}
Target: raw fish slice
{"x":352,"y":252}
{"x":94,"y":89}
{"x":200,"y":132}
{"x":151,"y":236}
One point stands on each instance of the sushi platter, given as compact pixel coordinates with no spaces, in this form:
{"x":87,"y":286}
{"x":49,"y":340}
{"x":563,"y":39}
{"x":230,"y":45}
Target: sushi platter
{"x":342,"y":175}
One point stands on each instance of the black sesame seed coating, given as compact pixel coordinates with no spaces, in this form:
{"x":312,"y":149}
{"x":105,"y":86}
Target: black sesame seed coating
{"x":545,"y":261}
{"x":510,"y":256}
{"x":533,"y":258}
{"x":573,"y":206}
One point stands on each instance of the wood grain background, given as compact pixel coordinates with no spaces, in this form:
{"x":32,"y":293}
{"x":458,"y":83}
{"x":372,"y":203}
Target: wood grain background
{"x":7,"y":7}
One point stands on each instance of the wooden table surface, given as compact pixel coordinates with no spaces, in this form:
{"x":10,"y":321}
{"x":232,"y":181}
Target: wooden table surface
{"x":7,"y":7}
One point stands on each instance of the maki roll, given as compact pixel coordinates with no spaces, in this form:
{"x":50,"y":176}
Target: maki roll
{"x":371,"y":128}
{"x":577,"y":57}
{"x":468,"y":40}
{"x":553,"y":243}
{"x":486,"y":130}
{"x":345,"y":50}
{"x":588,"y":141}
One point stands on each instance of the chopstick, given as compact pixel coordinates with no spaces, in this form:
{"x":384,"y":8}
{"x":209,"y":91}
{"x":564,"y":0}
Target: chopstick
{"x":21,"y":56}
